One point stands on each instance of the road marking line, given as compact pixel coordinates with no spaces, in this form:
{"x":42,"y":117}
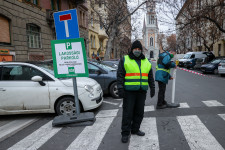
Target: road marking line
{"x":36,"y":139}
{"x":149,"y":108}
{"x":196,"y":134}
{"x":212,"y":103}
{"x":184,"y":105}
{"x":107,"y":113}
{"x":148,"y":142}
{"x":222,"y":116}
{"x":12,"y":127}
{"x":91,"y":136}
{"x":118,"y":99}
{"x":121,"y":105}
{"x":110,"y":103}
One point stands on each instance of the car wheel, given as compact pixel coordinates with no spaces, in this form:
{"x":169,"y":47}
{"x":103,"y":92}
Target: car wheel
{"x":215,"y":71}
{"x":66,"y":106}
{"x":113,"y":90}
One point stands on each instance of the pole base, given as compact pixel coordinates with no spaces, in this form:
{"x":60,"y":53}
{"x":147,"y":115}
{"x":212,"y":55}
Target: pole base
{"x":83,"y":119}
{"x":173,"y":105}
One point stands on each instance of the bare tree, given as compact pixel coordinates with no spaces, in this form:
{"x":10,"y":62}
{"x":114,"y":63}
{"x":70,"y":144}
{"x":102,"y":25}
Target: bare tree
{"x":117,"y":15}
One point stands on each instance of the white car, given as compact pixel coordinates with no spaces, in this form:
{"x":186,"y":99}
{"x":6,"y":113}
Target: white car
{"x":221,"y":67}
{"x":27,"y":88}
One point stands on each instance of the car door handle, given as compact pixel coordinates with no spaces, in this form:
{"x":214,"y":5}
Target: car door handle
{"x":1,"y":89}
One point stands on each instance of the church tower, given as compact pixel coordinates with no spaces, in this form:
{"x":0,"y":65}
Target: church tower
{"x":150,"y":31}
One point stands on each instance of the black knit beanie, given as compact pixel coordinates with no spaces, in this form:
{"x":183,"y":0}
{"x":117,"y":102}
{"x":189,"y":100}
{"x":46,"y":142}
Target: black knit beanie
{"x":136,"y":44}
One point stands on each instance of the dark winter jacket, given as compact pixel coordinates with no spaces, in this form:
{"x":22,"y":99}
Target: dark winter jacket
{"x":121,"y":73}
{"x":165,"y":64}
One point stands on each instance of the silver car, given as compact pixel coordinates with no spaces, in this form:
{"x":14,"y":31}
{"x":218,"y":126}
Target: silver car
{"x":221,"y":67}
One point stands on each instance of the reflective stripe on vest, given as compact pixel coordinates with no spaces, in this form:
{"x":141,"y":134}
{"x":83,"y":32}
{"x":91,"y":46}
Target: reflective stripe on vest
{"x":136,"y":77}
{"x":163,"y":69}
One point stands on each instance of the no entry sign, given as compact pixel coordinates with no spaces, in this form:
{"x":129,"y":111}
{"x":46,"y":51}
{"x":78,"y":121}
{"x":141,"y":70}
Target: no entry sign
{"x":66,"y":24}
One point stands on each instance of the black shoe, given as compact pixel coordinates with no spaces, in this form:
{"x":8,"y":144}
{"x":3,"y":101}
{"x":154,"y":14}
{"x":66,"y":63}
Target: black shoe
{"x":173,"y":105}
{"x":139,"y":133}
{"x":125,"y":139}
{"x":161,"y":106}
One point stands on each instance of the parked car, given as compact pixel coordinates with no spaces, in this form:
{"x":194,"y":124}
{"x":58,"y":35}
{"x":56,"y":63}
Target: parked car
{"x":211,"y":67}
{"x":189,"y":59}
{"x":200,"y":62}
{"x":111,"y":63}
{"x":221,"y":67}
{"x":105,"y":76}
{"x":28,"y":88}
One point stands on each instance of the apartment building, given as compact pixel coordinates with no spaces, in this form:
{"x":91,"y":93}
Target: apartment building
{"x":27,"y":27}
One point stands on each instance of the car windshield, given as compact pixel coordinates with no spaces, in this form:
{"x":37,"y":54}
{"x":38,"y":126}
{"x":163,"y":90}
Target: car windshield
{"x":216,"y":61}
{"x":108,"y":68}
{"x":187,"y":56}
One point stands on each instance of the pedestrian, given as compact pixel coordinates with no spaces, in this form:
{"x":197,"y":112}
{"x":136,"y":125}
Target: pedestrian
{"x":134,"y":75}
{"x":162,"y":75}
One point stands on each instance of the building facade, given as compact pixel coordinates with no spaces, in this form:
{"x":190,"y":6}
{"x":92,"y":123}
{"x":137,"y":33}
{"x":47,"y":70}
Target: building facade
{"x":96,"y":32}
{"x":150,"y":31}
{"x":27,"y":28}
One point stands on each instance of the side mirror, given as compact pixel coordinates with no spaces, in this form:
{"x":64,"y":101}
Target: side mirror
{"x":38,"y":79}
{"x":98,"y":72}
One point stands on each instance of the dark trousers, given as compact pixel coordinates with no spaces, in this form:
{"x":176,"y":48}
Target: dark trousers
{"x":161,"y":94}
{"x":133,"y":111}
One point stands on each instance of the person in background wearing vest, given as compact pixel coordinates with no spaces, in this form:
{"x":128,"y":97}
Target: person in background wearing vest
{"x":134,"y":75}
{"x":162,"y":76}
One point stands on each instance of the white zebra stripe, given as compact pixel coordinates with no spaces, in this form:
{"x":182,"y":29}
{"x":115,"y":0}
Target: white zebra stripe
{"x":121,"y":105}
{"x":222,"y":116}
{"x":184,"y":105}
{"x":107,"y":113}
{"x":149,"y":108}
{"x":110,"y":103}
{"x":196,"y":134}
{"x":91,"y":136}
{"x":14,"y":126}
{"x":212,"y":103}
{"x":148,"y":142}
{"x":37,"y":138}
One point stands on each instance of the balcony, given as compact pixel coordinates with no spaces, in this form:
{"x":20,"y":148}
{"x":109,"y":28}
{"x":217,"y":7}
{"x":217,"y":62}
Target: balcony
{"x":102,"y":35}
{"x":49,"y":17}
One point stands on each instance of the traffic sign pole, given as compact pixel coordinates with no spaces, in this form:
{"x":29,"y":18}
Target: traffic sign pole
{"x":76,"y":96}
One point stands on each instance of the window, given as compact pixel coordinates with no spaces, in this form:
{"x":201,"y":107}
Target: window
{"x":55,"y":4}
{"x":33,"y":36}
{"x":152,"y":20}
{"x":93,"y":69}
{"x":198,"y":4}
{"x":35,"y":2}
{"x":21,"y":73}
{"x":151,"y":41}
{"x":219,"y":49}
{"x":91,"y":42}
{"x":92,"y":20}
{"x":94,"y":42}
{"x":5,"y":32}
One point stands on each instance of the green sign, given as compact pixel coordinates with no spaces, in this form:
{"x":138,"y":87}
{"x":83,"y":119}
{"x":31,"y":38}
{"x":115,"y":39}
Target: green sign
{"x":69,"y":58}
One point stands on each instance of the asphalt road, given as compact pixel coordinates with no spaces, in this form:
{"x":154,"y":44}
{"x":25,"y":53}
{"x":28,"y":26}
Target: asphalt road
{"x":198,"y":124}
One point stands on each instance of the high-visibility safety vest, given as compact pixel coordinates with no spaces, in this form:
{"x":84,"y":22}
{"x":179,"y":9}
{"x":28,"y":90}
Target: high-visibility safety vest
{"x":160,"y":62}
{"x":136,"y":77}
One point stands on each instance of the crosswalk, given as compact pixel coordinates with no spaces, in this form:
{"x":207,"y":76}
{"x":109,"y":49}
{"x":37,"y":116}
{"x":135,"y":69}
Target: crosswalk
{"x":193,"y":129}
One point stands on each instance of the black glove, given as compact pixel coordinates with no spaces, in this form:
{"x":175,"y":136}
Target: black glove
{"x":152,"y":93}
{"x":121,"y":93}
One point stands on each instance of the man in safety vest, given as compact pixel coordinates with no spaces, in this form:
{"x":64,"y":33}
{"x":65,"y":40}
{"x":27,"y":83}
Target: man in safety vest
{"x":162,"y":75}
{"x":134,"y":76}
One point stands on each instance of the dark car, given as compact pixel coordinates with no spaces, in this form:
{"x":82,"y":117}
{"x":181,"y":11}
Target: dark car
{"x":111,"y":63}
{"x":200,"y":62}
{"x":211,"y":67}
{"x":105,"y":76}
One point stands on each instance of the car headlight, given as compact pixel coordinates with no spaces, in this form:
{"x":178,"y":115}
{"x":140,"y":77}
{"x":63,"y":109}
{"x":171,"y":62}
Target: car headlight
{"x":89,"y":88}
